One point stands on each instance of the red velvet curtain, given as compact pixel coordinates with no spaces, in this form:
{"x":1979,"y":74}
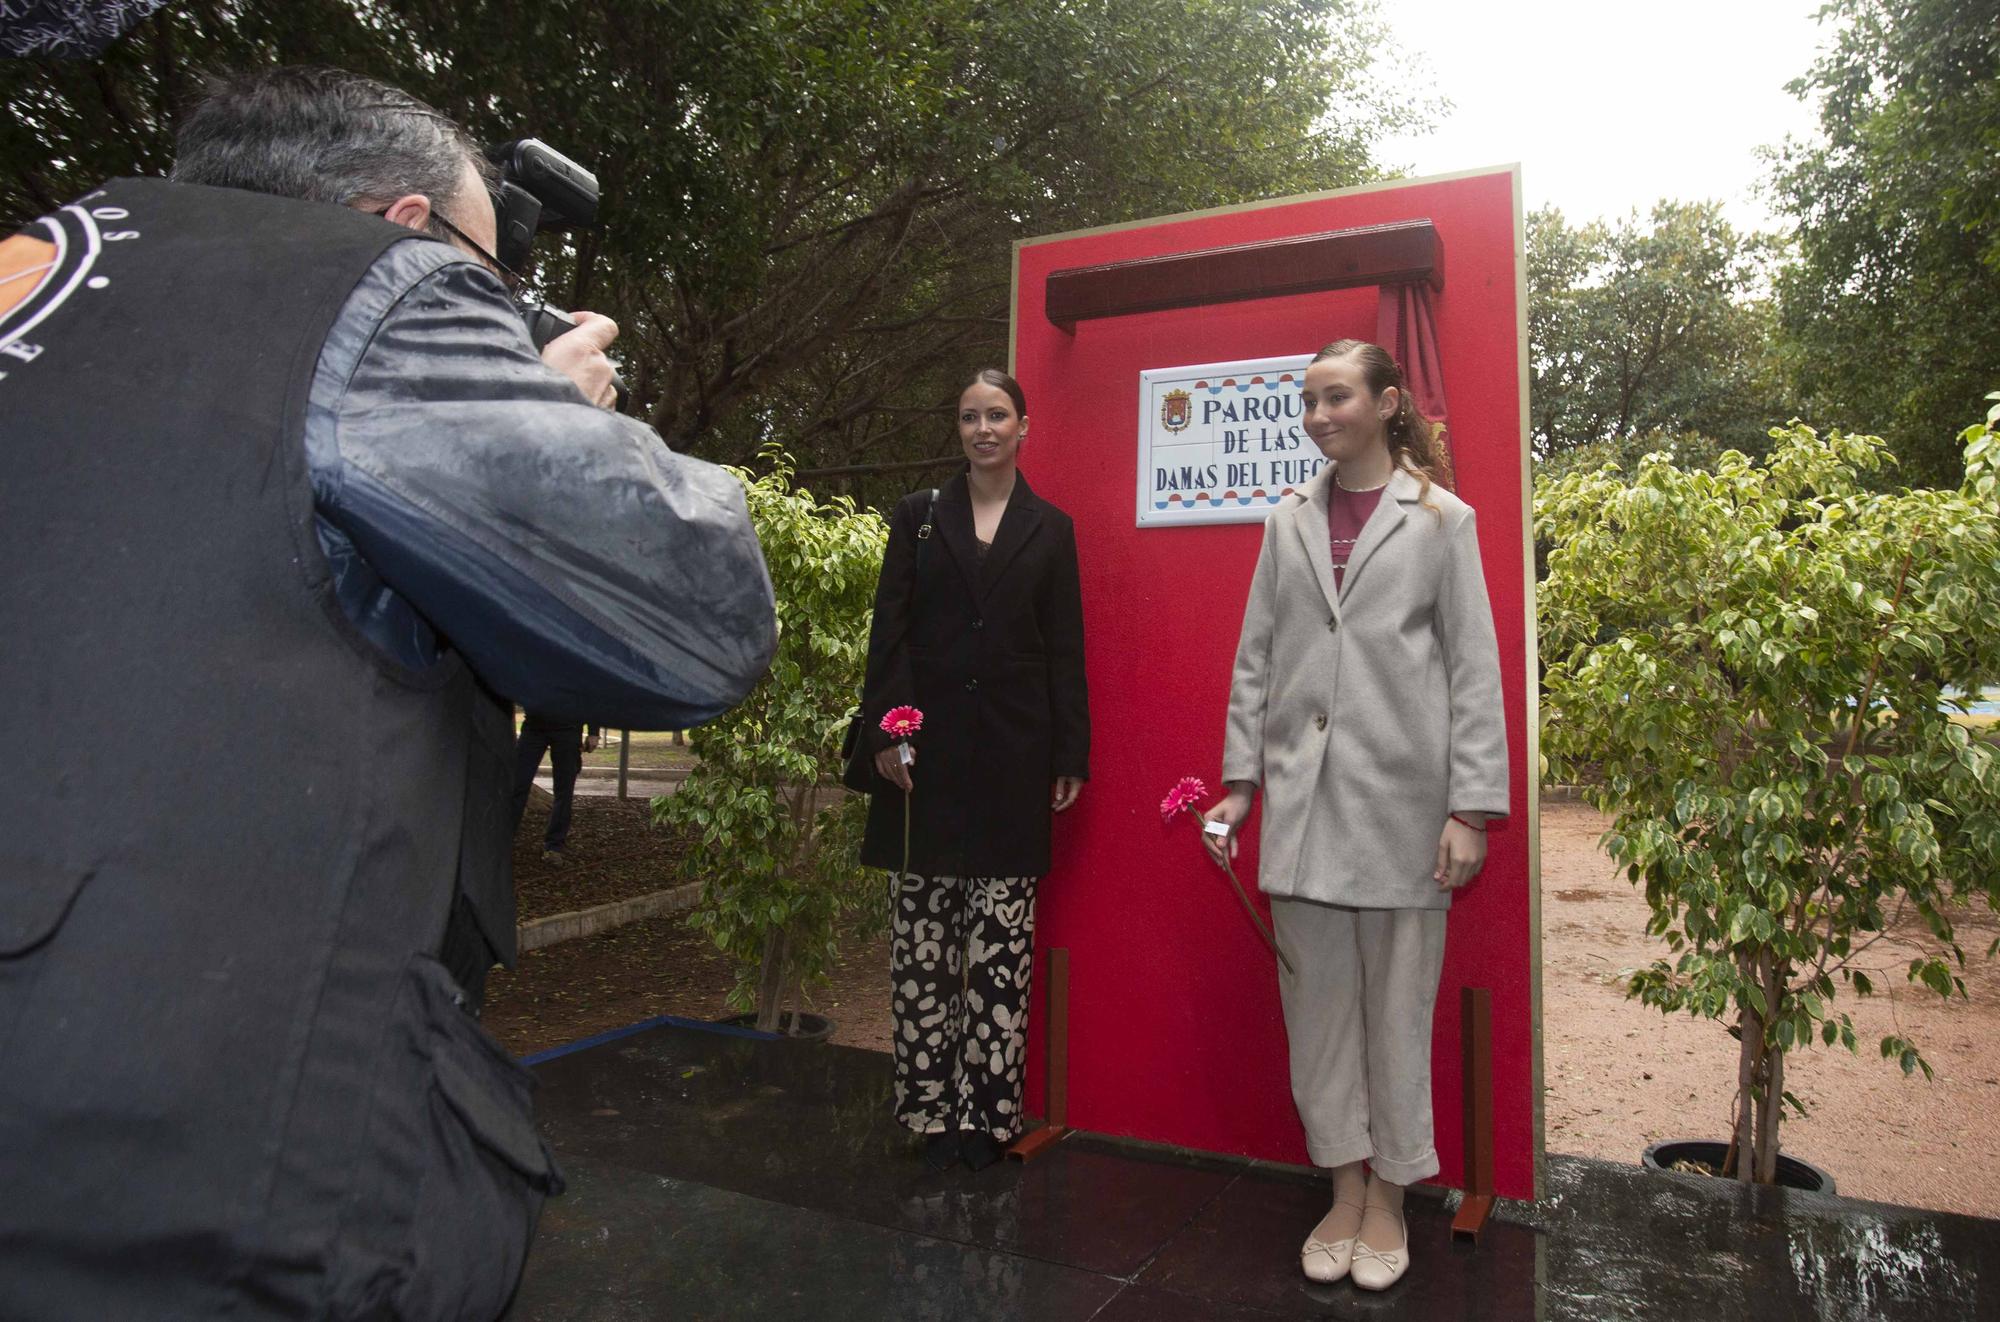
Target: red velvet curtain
{"x":1406,"y":326}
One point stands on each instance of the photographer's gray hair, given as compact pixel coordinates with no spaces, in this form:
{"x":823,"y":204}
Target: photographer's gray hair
{"x":322,"y":135}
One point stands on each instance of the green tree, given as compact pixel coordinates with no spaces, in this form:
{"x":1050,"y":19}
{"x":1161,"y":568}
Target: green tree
{"x":809,"y":205}
{"x":777,"y":841}
{"x":1887,"y":315}
{"x":1683,"y":449}
{"x":1645,"y":326}
{"x":1758,"y":664}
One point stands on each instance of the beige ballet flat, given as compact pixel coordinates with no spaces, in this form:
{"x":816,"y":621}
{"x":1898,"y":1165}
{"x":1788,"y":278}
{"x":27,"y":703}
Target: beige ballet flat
{"x":1378,"y":1269}
{"x":1323,"y":1260}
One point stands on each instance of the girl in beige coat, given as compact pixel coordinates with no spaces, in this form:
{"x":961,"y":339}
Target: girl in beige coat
{"x":1366,"y":704}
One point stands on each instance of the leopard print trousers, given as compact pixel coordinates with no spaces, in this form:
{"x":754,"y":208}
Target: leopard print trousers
{"x":961,"y":951}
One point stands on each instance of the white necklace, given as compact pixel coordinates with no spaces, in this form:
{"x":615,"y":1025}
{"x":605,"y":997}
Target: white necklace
{"x":1361,"y":491}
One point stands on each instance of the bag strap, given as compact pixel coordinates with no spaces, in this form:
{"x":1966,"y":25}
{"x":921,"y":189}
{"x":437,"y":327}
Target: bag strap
{"x":924,"y":528}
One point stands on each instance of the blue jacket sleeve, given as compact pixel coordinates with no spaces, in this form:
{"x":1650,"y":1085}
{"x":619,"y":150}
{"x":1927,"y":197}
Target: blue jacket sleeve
{"x":582,"y":568}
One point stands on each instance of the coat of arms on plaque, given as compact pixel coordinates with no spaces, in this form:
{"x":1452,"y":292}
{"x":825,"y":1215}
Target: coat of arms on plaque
{"x":1177,"y":411}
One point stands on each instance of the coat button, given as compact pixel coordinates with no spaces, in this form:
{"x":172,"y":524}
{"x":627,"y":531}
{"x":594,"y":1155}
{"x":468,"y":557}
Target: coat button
{"x":979,"y":624}
{"x":1332,"y":624}
{"x":1319,"y":721}
{"x":972,"y":686}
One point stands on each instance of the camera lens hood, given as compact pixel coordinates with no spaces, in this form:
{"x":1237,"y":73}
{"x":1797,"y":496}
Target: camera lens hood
{"x":567,"y":191}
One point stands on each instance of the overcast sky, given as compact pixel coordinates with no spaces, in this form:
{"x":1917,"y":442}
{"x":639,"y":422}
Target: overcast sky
{"x":1611,"y":105}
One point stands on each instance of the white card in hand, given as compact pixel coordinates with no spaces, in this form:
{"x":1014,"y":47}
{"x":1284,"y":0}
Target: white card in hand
{"x":904,"y":755}
{"x":1216,"y":828}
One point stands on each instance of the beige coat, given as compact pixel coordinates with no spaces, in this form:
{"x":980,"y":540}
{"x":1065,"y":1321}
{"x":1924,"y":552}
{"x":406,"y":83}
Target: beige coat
{"x":1368,"y":717}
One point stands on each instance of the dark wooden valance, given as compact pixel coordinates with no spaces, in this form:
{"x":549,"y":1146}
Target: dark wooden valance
{"x":1403,"y":253}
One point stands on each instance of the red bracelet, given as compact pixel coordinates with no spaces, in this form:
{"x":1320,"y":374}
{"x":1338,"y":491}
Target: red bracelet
{"x":1468,"y":825}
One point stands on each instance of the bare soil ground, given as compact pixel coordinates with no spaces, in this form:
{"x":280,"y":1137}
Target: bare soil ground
{"x":660,"y":966}
{"x":614,"y":852}
{"x":1618,"y":1075}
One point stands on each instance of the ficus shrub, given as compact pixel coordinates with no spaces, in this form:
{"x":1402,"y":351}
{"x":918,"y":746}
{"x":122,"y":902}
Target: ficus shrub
{"x":1761,"y":668}
{"x":776,"y":839}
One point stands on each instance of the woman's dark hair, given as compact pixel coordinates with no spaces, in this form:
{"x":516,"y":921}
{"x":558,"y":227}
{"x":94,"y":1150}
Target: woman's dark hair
{"x":1412,"y":443}
{"x":993,"y":376}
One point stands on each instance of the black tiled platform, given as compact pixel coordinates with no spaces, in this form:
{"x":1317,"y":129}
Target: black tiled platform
{"x":621,"y":1245}
{"x":718,"y":1176}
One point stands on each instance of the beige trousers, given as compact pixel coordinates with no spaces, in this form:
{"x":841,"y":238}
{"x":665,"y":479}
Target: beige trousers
{"x":1358,"y":1015}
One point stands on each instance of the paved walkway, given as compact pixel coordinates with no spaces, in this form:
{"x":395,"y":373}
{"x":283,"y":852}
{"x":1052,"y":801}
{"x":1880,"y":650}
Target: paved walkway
{"x":719,"y":1175}
{"x":641,"y":782}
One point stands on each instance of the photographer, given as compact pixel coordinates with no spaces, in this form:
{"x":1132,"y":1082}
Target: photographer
{"x":293,"y":510}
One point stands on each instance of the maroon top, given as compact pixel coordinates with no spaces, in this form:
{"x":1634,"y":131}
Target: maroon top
{"x":1346,"y":513}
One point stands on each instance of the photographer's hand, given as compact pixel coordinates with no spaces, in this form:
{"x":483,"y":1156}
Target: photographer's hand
{"x":579,"y":355}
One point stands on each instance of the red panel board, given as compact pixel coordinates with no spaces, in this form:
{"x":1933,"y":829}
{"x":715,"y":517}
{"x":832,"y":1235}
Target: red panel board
{"x":1175,"y":1033}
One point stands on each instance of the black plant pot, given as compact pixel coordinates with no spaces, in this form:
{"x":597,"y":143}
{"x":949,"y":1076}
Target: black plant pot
{"x":795,"y":1025}
{"x":1792,"y":1173}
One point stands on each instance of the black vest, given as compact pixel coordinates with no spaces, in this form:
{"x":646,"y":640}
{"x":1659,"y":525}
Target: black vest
{"x":232,"y":1076}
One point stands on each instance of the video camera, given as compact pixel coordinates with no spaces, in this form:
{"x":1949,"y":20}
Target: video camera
{"x":540,"y":189}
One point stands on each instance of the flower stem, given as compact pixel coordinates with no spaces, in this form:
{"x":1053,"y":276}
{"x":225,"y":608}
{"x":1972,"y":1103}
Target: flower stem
{"x":1248,"y":907}
{"x":1269,"y":939}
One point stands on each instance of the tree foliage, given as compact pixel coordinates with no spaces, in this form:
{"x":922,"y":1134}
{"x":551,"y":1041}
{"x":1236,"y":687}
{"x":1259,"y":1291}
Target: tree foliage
{"x":777,"y":841}
{"x":1888,"y":309}
{"x":1647,"y":326}
{"x":1760,"y":662}
{"x":809,"y":205}
{"x":1683,"y":449}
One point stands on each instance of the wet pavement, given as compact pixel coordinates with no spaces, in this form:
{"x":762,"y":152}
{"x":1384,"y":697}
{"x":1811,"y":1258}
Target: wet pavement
{"x":728,"y":1176}
{"x":648,"y":783}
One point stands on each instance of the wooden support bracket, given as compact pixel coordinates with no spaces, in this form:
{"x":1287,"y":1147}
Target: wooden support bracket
{"x":1475,"y":1030}
{"x":1055,"y":1066}
{"x":1400,"y":253}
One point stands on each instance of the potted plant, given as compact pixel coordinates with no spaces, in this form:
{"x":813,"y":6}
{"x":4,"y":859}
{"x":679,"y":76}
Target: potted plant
{"x":777,"y":841}
{"x":1762,"y":662}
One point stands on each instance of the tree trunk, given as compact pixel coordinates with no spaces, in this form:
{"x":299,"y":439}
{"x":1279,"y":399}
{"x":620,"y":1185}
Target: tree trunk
{"x":1771,"y":1104}
{"x":1760,"y":1081}
{"x":1770,"y":1110}
{"x":1741,"y":1162}
{"x":771,"y":977}
{"x":775,"y":979}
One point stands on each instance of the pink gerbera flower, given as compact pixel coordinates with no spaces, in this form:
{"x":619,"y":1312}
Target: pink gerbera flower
{"x":902,"y":722}
{"x":1186,"y":792}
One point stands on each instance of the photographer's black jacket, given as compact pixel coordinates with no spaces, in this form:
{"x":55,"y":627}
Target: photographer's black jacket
{"x":234,"y":1079}
{"x":464,"y":489}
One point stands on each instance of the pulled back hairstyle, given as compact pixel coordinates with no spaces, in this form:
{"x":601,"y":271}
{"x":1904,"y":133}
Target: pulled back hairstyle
{"x":1412,"y":443}
{"x":993,"y":376}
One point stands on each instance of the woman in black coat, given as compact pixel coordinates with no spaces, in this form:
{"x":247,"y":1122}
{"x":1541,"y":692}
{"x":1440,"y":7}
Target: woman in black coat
{"x":979,"y":625}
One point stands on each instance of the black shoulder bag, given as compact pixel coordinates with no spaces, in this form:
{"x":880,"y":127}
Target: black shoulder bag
{"x":857,"y":763}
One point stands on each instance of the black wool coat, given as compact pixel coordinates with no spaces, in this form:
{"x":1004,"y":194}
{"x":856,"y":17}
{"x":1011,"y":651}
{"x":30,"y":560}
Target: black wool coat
{"x":992,"y":653}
